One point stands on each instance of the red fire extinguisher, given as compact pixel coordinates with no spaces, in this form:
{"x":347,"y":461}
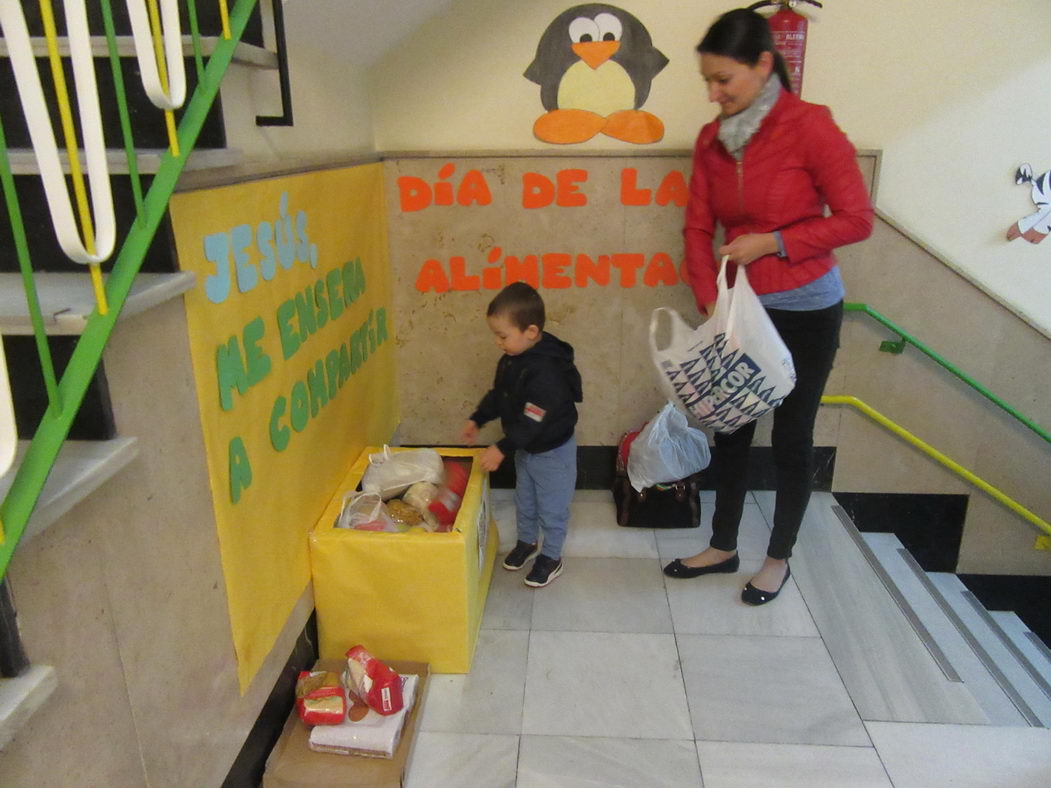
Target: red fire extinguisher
{"x":789,"y":29}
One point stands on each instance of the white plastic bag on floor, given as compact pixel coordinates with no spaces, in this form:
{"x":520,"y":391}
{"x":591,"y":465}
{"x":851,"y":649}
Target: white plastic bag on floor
{"x":731,"y":369}
{"x":667,"y":449}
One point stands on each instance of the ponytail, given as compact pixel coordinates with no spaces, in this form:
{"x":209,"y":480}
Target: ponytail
{"x":781,"y":69}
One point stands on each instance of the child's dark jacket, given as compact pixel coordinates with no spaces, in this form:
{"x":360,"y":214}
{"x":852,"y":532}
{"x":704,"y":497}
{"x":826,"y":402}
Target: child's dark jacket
{"x":534,"y":396}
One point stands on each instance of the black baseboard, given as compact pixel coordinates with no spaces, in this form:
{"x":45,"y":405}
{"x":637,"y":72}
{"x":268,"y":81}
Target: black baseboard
{"x":596,"y":467}
{"x":929,"y":526}
{"x":247,"y":770}
{"x":1025,"y":595}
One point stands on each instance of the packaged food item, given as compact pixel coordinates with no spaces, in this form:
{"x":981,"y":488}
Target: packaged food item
{"x":373,"y":736}
{"x":364,"y":511}
{"x":419,"y":497}
{"x":391,"y":473}
{"x":447,"y":502}
{"x":373,"y":682}
{"x":402,"y":513}
{"x":319,"y":698}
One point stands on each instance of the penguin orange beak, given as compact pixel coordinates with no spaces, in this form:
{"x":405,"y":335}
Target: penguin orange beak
{"x":595,"y":53}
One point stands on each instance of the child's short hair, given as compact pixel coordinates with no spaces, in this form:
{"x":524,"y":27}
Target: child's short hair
{"x":521,"y":303}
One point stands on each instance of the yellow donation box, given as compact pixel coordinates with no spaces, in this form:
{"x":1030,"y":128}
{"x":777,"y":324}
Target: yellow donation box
{"x":405,"y":596}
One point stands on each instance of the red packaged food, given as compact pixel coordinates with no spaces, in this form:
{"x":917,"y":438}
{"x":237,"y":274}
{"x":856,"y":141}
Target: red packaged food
{"x":373,"y":682}
{"x":447,"y":501}
{"x":319,"y":698}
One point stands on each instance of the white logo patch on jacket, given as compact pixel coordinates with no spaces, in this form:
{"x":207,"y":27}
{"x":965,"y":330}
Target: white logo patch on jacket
{"x":535,"y":412}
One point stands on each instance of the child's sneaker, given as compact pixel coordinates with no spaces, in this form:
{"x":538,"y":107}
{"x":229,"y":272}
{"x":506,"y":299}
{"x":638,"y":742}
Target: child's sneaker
{"x":543,"y":572}
{"x":521,"y":553}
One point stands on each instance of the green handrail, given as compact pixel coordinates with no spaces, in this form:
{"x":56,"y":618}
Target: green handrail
{"x":908,"y":339}
{"x":43,"y":449}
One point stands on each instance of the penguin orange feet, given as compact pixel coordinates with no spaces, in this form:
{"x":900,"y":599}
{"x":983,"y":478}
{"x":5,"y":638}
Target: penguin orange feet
{"x":634,"y":125}
{"x":566,"y":126}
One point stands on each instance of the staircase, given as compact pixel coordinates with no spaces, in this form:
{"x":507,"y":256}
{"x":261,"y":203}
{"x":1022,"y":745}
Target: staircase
{"x":913,"y":646}
{"x":67,"y":433}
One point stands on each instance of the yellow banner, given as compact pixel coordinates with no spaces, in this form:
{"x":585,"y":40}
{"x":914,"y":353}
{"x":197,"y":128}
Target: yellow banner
{"x":291,"y":338}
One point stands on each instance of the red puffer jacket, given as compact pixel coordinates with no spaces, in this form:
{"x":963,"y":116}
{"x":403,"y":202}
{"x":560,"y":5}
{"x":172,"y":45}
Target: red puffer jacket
{"x":796,"y":163}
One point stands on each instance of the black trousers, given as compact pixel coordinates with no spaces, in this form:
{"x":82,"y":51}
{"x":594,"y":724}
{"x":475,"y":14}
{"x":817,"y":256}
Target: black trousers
{"x":812,"y":337}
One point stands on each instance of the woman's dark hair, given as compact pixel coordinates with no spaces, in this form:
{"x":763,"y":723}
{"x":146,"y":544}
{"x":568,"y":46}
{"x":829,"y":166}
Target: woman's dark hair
{"x":744,"y":35}
{"x":521,"y":303}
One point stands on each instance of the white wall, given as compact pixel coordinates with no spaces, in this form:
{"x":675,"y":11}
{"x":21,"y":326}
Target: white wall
{"x":952,"y":92}
{"x":329,"y":84}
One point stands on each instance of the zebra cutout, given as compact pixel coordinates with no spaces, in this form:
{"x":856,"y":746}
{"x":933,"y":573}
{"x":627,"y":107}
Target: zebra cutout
{"x":1036,"y":226}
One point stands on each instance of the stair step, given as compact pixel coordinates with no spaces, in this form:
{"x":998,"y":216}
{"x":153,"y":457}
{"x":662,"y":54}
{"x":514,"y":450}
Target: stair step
{"x":21,"y":696}
{"x":244,"y":54}
{"x":24,"y":162}
{"x":81,"y":468}
{"x":1000,"y":657}
{"x":1029,"y":649}
{"x":67,"y":300}
{"x":887,"y":669}
{"x":941,"y":623}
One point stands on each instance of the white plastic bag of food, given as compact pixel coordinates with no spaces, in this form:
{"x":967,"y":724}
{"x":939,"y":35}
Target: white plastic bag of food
{"x":364,"y":511}
{"x":667,"y":449}
{"x":391,"y":473}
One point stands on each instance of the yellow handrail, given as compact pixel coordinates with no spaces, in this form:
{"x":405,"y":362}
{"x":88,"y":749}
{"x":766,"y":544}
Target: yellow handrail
{"x":1042,"y":542}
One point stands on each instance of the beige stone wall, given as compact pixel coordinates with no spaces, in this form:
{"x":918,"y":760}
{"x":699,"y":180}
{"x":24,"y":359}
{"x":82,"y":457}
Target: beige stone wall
{"x":125,"y":597}
{"x":946,"y":312}
{"x":446,"y":355}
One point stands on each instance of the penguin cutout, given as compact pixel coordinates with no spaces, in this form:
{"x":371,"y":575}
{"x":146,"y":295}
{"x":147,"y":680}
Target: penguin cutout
{"x":1036,"y":226}
{"x":594,"y":64}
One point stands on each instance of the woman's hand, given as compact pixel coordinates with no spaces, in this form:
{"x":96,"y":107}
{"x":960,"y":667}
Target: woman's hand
{"x":745,"y":249}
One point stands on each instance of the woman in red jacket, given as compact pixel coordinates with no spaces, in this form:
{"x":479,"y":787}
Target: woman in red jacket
{"x":766,"y":170}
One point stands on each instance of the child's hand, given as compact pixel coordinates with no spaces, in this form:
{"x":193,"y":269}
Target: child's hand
{"x":469,"y":433}
{"x":491,"y":458}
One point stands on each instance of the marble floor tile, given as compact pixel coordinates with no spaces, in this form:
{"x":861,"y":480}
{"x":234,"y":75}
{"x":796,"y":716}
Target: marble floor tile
{"x":594,"y":533}
{"x":767,"y":689}
{"x":463,"y":760}
{"x":604,"y":595}
{"x":605,"y":684}
{"x":711,"y":605}
{"x":752,"y":538}
{"x":570,"y":762}
{"x":509,"y":604}
{"x":739,"y":765}
{"x":919,"y":755}
{"x":489,"y":698}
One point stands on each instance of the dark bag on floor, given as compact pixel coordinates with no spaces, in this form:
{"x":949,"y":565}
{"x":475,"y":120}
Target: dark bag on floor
{"x":672,"y":505}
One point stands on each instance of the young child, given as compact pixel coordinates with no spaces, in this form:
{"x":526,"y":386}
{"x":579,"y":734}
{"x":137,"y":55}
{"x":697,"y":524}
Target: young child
{"x":534,"y":395}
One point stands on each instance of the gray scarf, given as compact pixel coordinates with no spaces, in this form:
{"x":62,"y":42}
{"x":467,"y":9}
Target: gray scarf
{"x":736,"y":130}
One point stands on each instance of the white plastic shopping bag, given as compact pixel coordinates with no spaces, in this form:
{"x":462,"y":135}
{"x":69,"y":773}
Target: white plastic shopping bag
{"x":391,"y":473}
{"x":667,"y":449}
{"x":731,"y":369}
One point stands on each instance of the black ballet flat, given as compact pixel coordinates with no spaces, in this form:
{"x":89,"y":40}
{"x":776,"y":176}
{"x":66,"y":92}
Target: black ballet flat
{"x":678,"y":569}
{"x":753,"y":596}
